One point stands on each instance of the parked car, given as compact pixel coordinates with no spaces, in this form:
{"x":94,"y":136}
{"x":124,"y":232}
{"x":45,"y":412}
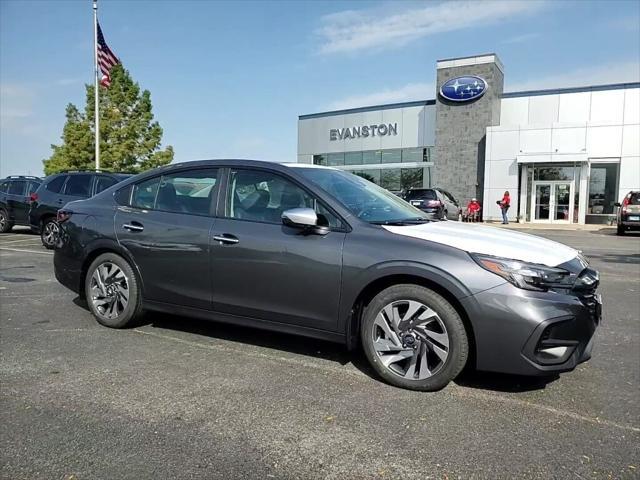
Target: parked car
{"x":628,"y":217}
{"x":435,"y":202}
{"x":59,"y":189}
{"x":15,"y":198}
{"x":320,"y":252}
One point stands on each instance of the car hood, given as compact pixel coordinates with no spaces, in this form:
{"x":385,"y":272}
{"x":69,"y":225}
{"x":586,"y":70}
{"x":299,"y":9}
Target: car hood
{"x":499,"y":242}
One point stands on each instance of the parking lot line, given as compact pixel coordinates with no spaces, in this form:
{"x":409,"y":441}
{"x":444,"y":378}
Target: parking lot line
{"x":24,"y":251}
{"x":453,"y":389}
{"x":36,"y":240}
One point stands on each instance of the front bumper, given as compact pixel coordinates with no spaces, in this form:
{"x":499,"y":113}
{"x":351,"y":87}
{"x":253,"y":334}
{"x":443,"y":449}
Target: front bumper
{"x":532,"y":333}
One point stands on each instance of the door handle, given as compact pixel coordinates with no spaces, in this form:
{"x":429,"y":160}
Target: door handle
{"x":133,"y":227}
{"x":226,"y":238}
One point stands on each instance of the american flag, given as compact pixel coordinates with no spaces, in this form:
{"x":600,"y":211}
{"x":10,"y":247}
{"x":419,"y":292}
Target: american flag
{"x":106,"y":59}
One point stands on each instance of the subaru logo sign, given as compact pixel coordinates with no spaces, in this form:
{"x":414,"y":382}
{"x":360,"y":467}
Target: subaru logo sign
{"x":463,"y":89}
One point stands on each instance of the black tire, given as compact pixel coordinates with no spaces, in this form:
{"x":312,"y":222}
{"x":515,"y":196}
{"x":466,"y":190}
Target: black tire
{"x":457,"y":336}
{"x":620,"y":230}
{"x":49,"y":232}
{"x":134,"y":302}
{"x":5,"y":223}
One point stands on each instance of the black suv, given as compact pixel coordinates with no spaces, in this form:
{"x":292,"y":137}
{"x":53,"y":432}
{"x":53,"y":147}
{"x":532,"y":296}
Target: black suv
{"x":61,"y":188}
{"x":15,"y":197}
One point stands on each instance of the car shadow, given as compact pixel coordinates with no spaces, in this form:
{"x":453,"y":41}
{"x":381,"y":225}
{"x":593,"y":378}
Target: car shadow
{"x":630,"y":259}
{"x":502,"y":382}
{"x":321,"y":349}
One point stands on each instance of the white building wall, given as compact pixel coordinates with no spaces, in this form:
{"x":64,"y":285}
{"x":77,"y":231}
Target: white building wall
{"x":416,"y":128}
{"x":562,"y":127}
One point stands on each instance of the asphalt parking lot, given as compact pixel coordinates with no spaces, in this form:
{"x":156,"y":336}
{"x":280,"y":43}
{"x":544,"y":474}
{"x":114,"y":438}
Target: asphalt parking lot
{"x":180,"y":398}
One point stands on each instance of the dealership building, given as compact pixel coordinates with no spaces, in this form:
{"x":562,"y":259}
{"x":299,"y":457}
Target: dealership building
{"x":566,"y":155}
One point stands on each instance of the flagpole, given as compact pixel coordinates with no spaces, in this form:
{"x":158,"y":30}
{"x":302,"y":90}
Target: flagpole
{"x":97,"y":81}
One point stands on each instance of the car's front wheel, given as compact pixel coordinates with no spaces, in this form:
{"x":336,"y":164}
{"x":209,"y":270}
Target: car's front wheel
{"x":620,"y":230}
{"x":5,"y":223}
{"x":49,"y":233}
{"x":112,"y":291}
{"x":414,"y":338}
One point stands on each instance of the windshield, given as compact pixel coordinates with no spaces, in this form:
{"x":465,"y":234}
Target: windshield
{"x":364,"y":199}
{"x":421,"y":195}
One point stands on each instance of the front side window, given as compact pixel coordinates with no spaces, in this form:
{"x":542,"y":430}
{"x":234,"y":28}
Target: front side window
{"x":78,"y":186}
{"x":17,"y":187}
{"x":364,"y":199}
{"x":56,"y":184}
{"x":4,"y":186}
{"x":263,"y":196}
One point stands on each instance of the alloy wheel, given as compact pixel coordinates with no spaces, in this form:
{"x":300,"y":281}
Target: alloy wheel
{"x":50,"y":233}
{"x":410,"y":340}
{"x":3,"y":221}
{"x":109,"y":290}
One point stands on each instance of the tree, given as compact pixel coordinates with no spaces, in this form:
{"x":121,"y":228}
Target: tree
{"x":130,"y":139}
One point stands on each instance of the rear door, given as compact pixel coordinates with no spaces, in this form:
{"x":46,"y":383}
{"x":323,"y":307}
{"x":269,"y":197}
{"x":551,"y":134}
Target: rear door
{"x":166,"y":226}
{"x":17,"y":201}
{"x":262,"y":269}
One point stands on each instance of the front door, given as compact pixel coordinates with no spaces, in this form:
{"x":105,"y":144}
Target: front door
{"x":552,"y":202}
{"x":167,"y":229}
{"x":263,"y":269}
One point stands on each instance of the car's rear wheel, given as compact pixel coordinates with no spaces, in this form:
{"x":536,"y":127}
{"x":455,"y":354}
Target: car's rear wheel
{"x":414,"y":338}
{"x":5,"y":223}
{"x":620,"y":230}
{"x":112,"y":291}
{"x":49,"y":232}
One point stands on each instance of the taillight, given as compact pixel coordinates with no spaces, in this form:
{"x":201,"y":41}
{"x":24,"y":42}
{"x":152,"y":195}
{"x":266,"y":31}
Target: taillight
{"x":625,"y":202}
{"x":434,"y":203}
{"x":63,"y":215}
{"x":33,"y":197}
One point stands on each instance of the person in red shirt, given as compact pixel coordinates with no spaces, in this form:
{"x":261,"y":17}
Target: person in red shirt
{"x":505,"y":203}
{"x":473,"y":210}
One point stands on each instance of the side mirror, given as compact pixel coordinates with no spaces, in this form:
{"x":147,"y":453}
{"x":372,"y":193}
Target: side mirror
{"x":617,"y":204}
{"x":305,"y":218}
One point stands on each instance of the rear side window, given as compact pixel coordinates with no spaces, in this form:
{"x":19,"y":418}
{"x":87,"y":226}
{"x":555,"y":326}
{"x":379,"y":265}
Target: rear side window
{"x":55,"y":185}
{"x":78,"y":186}
{"x":181,"y":192}
{"x":421,"y":195}
{"x":144,"y":193}
{"x":33,"y":186}
{"x":102,"y":183}
{"x":17,"y":187}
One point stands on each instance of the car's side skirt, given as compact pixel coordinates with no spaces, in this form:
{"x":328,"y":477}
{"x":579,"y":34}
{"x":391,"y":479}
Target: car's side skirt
{"x":244,"y":321}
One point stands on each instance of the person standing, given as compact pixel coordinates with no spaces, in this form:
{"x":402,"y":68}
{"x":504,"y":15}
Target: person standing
{"x":505,"y":203}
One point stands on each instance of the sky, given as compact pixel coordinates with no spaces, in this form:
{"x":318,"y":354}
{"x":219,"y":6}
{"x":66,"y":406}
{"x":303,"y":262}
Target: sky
{"x":229,"y":79}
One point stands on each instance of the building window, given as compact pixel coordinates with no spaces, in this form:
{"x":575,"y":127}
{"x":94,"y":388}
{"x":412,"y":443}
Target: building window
{"x":603,"y":188}
{"x":353,"y":158}
{"x":391,"y":156}
{"x":412,"y":178}
{"x":372,"y":156}
{"x":319,"y":160}
{"x":371,"y":175}
{"x":413,"y":155}
{"x":335,"y":159}
{"x":390,"y":179}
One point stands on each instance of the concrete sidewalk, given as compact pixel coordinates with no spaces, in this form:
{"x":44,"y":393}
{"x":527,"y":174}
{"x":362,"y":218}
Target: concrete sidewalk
{"x":553,"y":226}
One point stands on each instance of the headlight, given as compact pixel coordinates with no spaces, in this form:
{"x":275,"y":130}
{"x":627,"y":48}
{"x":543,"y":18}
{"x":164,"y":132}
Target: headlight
{"x":530,"y":276}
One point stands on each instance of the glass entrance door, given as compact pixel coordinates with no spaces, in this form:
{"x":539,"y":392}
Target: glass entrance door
{"x":552,"y":202}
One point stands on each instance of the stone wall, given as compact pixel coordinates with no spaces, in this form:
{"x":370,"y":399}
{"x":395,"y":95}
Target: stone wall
{"x":461,"y":130}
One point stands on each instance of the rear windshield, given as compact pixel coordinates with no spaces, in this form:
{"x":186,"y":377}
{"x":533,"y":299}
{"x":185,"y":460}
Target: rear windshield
{"x":421,"y":195}
{"x":634,"y":198}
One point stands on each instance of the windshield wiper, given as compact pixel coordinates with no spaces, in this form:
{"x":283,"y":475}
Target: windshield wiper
{"x":404,"y":221}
